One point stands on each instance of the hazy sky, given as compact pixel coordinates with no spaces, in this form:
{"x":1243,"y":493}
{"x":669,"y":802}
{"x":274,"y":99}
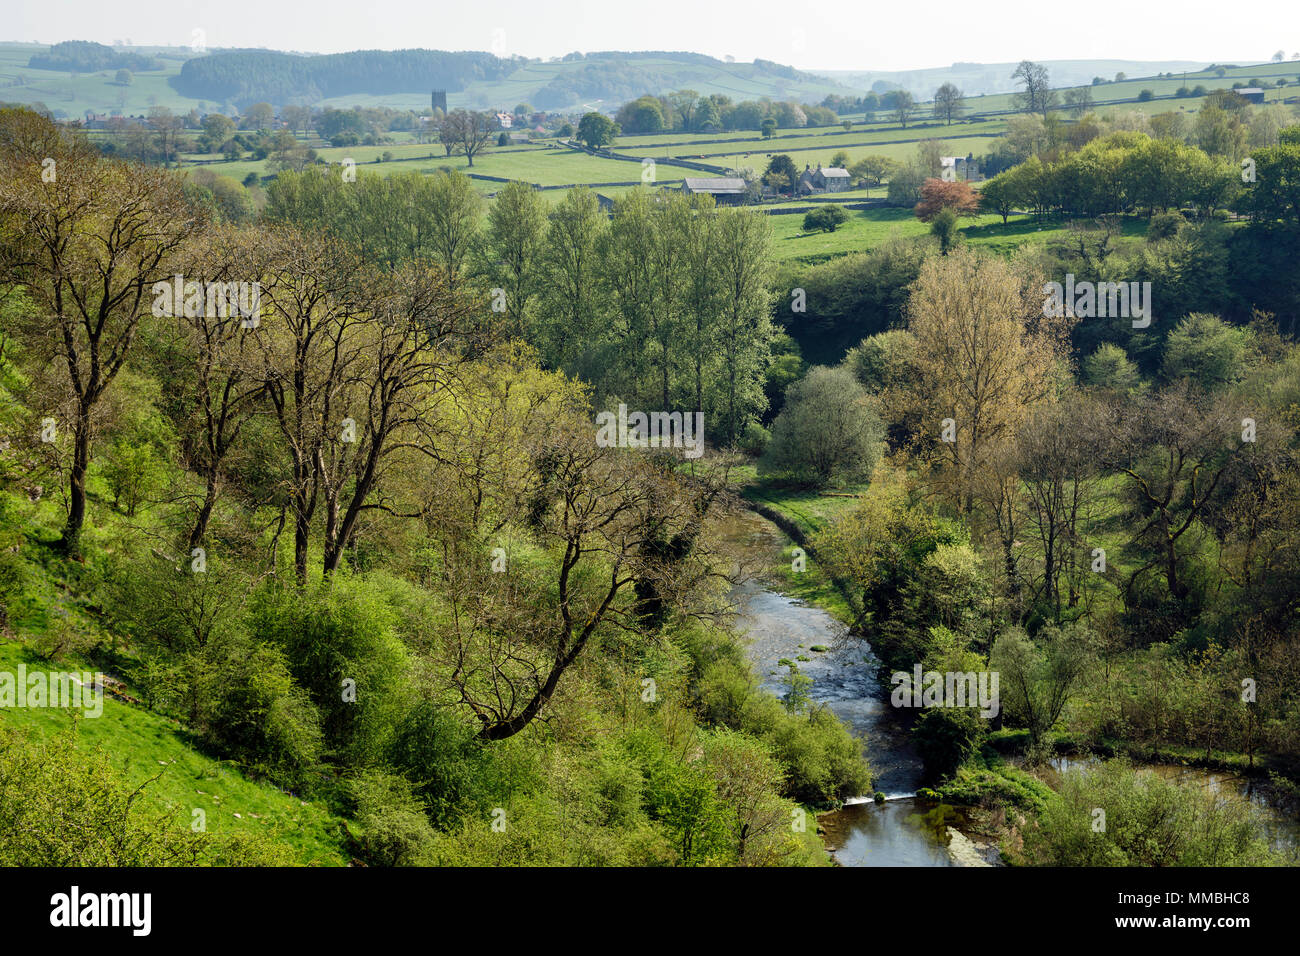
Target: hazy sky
{"x":847,"y":35}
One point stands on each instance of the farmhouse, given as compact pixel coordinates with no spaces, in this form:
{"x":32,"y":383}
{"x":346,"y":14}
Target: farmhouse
{"x":725,"y":192}
{"x":833,"y":179}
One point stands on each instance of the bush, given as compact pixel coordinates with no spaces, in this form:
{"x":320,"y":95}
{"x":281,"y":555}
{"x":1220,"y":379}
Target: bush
{"x":828,"y":431}
{"x":259,"y":715}
{"x":1149,"y":822}
{"x":445,"y":759}
{"x":61,"y":805}
{"x":340,"y":646}
{"x":394,"y":829}
{"x":824,"y":219}
{"x":753,"y":440}
{"x":1164,"y":225}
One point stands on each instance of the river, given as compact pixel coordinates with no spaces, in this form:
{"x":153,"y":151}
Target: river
{"x":904,"y":830}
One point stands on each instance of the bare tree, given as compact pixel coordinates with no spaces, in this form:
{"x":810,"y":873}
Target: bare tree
{"x":467,"y":132}
{"x":949,"y":102}
{"x":1037,"y":96}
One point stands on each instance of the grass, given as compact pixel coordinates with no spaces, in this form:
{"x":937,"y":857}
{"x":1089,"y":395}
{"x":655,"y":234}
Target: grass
{"x":145,"y":745}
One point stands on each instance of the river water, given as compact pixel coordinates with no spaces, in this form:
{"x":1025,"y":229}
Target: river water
{"x":904,"y":830}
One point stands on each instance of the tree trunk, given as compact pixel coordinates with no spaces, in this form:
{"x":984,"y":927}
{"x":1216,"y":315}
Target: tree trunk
{"x":71,"y":541}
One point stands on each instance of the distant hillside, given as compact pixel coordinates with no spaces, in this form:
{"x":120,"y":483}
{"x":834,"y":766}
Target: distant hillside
{"x":485,"y":80}
{"x":77,"y":56}
{"x":978,"y":79}
{"x":249,"y":77}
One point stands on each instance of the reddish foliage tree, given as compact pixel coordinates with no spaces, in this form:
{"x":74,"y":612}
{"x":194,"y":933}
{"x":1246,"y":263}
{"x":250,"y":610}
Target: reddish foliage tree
{"x":939,"y":194}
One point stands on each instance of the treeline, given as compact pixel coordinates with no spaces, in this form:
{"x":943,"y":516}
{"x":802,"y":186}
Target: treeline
{"x":1129,"y":171}
{"x":243,"y":78}
{"x":688,"y":111}
{"x":664,"y":304}
{"x":80,"y":56}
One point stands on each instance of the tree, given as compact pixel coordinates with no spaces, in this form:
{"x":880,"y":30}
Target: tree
{"x":1037,"y":95}
{"x":986,"y":355}
{"x":597,"y":129}
{"x":296,"y":118}
{"x":87,"y":249}
{"x":516,"y":227}
{"x":905,"y":185}
{"x":781,"y":173}
{"x":824,"y":219}
{"x":455,"y":212}
{"x":1173,"y":447}
{"x":768,"y":128}
{"x":258,"y":116}
{"x":685,"y":103}
{"x":744,"y":315}
{"x":623,"y":531}
{"x":1055,"y":458}
{"x":873,"y":170}
{"x":943,"y":226}
{"x":643,"y":115}
{"x":1038,"y":681}
{"x":949,"y":102}
{"x":828,"y":431}
{"x":1109,"y":367}
{"x":1206,"y":350}
{"x":1275,"y":195}
{"x":217,"y":129}
{"x":1078,"y":100}
{"x":904,"y":107}
{"x":939,"y":194}
{"x":1000,"y":195}
{"x":467,"y":133}
{"x":123,"y":78}
{"x":215,"y":373}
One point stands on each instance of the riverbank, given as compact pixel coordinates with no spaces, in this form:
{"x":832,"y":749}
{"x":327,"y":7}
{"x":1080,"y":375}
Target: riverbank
{"x":780,"y":629}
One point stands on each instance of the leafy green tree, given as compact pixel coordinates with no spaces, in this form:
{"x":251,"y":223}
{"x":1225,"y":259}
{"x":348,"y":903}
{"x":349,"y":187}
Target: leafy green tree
{"x":828,"y":431}
{"x":1110,"y":367}
{"x":1038,"y":678}
{"x":824,"y":219}
{"x":597,"y":129}
{"x":1207,"y":350}
{"x":512,"y":249}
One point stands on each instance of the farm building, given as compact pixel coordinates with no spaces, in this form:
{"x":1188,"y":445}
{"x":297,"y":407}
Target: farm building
{"x":1252,"y":93}
{"x":833,"y":179}
{"x":723,"y":190}
{"x":959,"y":167}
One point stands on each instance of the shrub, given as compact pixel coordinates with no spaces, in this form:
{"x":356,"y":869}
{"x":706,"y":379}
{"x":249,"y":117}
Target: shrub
{"x":824,"y":219}
{"x":339,"y":643}
{"x":61,"y":805}
{"x":394,"y":829}
{"x":828,"y":431}
{"x":1164,"y":225}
